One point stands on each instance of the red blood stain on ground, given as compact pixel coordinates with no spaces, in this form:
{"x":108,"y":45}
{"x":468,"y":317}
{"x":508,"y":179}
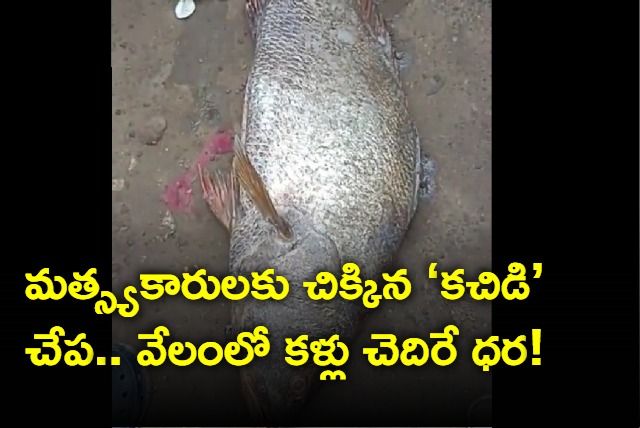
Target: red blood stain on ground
{"x":178,"y":195}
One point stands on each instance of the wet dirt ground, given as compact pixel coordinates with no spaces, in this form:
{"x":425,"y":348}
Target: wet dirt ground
{"x":174,"y":83}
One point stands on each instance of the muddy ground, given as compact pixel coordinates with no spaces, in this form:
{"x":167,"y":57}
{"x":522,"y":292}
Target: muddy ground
{"x":174,"y":83}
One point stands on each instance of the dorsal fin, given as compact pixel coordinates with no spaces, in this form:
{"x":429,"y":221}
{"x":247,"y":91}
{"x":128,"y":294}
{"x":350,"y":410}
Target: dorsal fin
{"x":254,"y":186}
{"x":254,"y":10}
{"x":371,"y":15}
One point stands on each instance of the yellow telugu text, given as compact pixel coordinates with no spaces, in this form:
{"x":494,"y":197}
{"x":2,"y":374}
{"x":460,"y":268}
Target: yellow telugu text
{"x":493,"y":353}
{"x":322,"y":352}
{"x":200,"y":286}
{"x":85,"y":290}
{"x":455,"y":286}
{"x":415,"y":351}
{"x":197,"y":286}
{"x":256,"y":344}
{"x":351,"y":287}
{"x":298,"y":354}
{"x":71,"y":358}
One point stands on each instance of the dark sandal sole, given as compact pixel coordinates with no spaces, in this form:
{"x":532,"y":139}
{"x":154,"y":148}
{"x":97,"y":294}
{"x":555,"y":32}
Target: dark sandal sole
{"x":130,"y":387}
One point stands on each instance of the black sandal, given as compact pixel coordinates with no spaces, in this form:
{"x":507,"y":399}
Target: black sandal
{"x":129,"y":387}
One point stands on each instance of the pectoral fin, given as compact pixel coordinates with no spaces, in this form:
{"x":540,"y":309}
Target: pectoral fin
{"x":251,"y":182}
{"x":254,"y":10}
{"x":221,"y":194}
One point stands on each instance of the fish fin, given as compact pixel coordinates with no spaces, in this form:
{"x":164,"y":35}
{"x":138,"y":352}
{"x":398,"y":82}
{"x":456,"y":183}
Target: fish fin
{"x":254,"y":10}
{"x":221,"y":194}
{"x":251,"y":182}
{"x":372,"y":16}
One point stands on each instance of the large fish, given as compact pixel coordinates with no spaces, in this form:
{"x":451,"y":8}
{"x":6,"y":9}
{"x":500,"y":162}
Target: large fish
{"x":326,"y":171}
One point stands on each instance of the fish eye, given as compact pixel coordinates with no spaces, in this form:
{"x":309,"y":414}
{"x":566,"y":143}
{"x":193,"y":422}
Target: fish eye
{"x":298,"y":385}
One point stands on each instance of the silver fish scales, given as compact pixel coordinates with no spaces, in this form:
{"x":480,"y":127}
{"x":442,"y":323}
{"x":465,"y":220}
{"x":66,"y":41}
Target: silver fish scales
{"x":326,"y":171}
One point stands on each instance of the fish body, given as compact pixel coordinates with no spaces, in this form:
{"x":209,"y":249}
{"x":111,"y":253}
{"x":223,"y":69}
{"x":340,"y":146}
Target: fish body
{"x":327,"y":171}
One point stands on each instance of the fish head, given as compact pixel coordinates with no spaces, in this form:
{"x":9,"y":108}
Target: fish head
{"x":275,"y":390}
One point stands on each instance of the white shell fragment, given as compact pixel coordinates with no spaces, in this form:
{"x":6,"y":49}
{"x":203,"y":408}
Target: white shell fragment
{"x":170,"y":224}
{"x":185,"y":9}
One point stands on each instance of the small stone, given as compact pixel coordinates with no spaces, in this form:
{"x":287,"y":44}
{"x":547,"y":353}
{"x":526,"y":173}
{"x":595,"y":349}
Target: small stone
{"x":153,"y":131}
{"x":117,"y":185}
{"x":404,"y":60}
{"x":434,"y":84}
